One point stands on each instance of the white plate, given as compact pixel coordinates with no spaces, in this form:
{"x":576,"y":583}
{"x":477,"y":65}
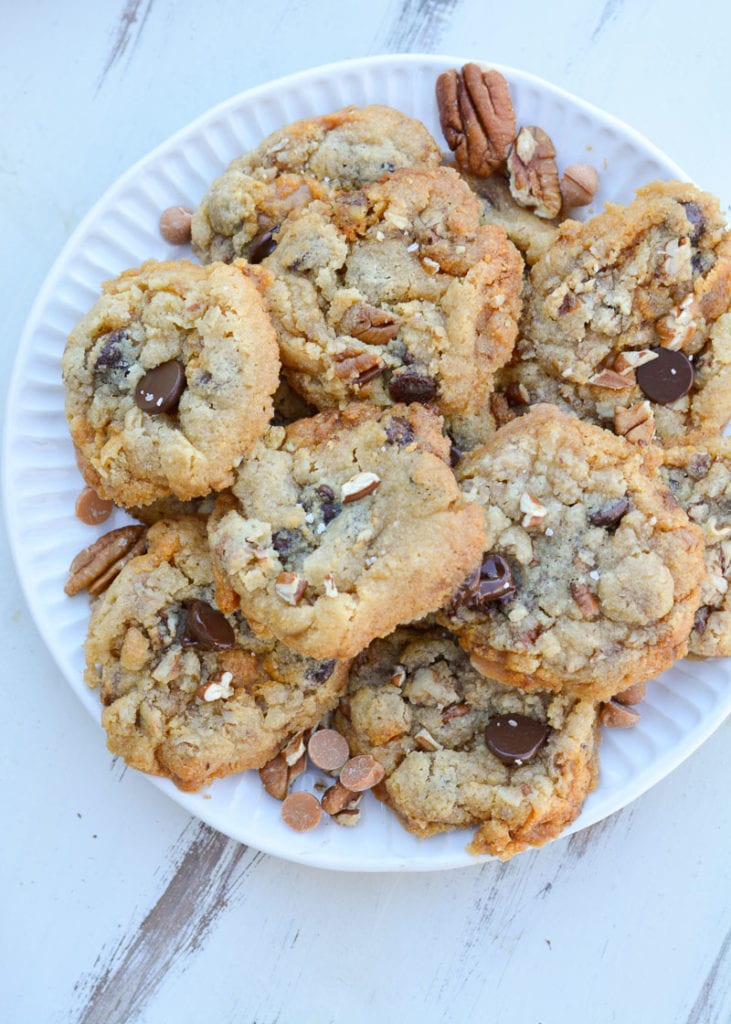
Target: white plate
{"x":41,"y":481}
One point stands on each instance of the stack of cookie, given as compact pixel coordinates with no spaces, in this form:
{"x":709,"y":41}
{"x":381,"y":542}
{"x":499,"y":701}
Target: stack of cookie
{"x":419,"y":459}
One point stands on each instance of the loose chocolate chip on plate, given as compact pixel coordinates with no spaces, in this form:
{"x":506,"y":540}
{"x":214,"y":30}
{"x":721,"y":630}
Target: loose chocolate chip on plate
{"x":160,"y":388}
{"x":666,"y":378}
{"x":412,"y":387}
{"x":515,"y":739}
{"x":207,"y":628}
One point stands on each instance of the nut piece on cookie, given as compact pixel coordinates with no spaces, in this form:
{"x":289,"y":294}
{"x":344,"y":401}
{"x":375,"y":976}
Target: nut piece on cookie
{"x":188,"y":692}
{"x":597,"y":593}
{"x":169,"y":381}
{"x":477,"y":117}
{"x":361,"y":509}
{"x":459,"y":750}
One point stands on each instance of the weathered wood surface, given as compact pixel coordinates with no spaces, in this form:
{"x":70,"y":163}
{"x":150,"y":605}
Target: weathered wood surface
{"x":117,"y":908}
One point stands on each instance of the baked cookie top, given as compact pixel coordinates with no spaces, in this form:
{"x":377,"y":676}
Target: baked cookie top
{"x":591,"y":573}
{"x":395,"y":293}
{"x":627,"y":315}
{"x":189,"y":693}
{"x":304,"y":160}
{"x":698,"y":474}
{"x":168,"y":380}
{"x":344,"y":525}
{"x":461,"y":750}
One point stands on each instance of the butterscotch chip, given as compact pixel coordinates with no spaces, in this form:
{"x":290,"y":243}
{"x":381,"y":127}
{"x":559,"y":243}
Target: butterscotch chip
{"x":632,"y":695}
{"x":175,"y":225}
{"x":618,"y":716}
{"x":91,"y":509}
{"x":328,"y":750}
{"x":301,"y":811}
{"x":361,"y":772}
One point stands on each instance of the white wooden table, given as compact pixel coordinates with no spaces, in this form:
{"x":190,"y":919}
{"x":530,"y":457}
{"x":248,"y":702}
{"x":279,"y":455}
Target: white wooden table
{"x":118,"y":907}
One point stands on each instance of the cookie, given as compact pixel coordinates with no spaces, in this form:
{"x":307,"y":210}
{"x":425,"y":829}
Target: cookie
{"x":591,"y":574}
{"x":244,"y":207}
{"x":461,"y":750}
{"x":188,"y":693}
{"x":343,"y":526}
{"x":168,"y":381}
{"x":626,"y":318}
{"x":395,"y":293}
{"x":698,"y":474}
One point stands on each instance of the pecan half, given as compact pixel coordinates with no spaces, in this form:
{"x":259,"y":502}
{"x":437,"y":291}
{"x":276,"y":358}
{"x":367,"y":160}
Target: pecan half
{"x":533,"y":172}
{"x":94,"y":568}
{"x":477,"y":117}
{"x":370,"y":324}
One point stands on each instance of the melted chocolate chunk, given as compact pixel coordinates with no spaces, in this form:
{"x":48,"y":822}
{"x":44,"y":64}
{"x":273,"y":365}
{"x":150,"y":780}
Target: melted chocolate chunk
{"x":492,"y":582}
{"x":288,"y":542}
{"x":695,"y":215}
{"x":398,"y":431}
{"x":667,"y":378}
{"x":160,"y":389}
{"x":112,"y":364}
{"x":207,"y":628}
{"x":262,"y":245}
{"x":320,"y":671}
{"x":515,"y":739}
{"x":410,"y":387}
{"x":610,"y":515}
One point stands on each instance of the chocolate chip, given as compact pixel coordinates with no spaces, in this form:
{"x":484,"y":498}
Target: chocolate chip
{"x":207,"y":628}
{"x":111,"y":354}
{"x":398,"y":431}
{"x":262,"y":245}
{"x":320,"y":671}
{"x":610,"y":515}
{"x":160,"y":388}
{"x":330,"y":510}
{"x":698,"y":465}
{"x":701,"y":619}
{"x":666,"y":378}
{"x":412,"y":387}
{"x":455,"y":454}
{"x":695,"y":215}
{"x":288,"y":542}
{"x":493,"y":581}
{"x":515,"y":739}
{"x":326,"y":492}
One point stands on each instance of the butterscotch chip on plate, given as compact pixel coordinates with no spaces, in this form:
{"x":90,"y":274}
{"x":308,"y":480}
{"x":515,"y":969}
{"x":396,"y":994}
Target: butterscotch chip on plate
{"x":169,"y":381}
{"x":460,"y":750}
{"x":590,"y":578}
{"x":342,"y":526}
{"x":395,"y":293}
{"x":244,"y":207}
{"x":631,"y":309}
{"x":698,"y":474}
{"x":188,"y":692}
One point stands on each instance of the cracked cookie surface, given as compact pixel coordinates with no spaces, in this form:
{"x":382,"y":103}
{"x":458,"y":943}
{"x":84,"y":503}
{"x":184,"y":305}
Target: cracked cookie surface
{"x":344,"y":525}
{"x":300,"y":162}
{"x":207,"y":324}
{"x":418,"y":707}
{"x":395,"y":293}
{"x":698,"y":474}
{"x":627,"y":316}
{"x":174,"y":707}
{"x":592,"y":569}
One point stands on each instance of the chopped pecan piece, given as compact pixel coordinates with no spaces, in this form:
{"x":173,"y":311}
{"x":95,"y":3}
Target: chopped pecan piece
{"x":585,"y":600}
{"x":636,"y":423}
{"x":94,"y":568}
{"x":533,"y":172}
{"x":357,"y":367}
{"x":618,"y":716}
{"x":370,"y":324}
{"x":477,"y":117}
